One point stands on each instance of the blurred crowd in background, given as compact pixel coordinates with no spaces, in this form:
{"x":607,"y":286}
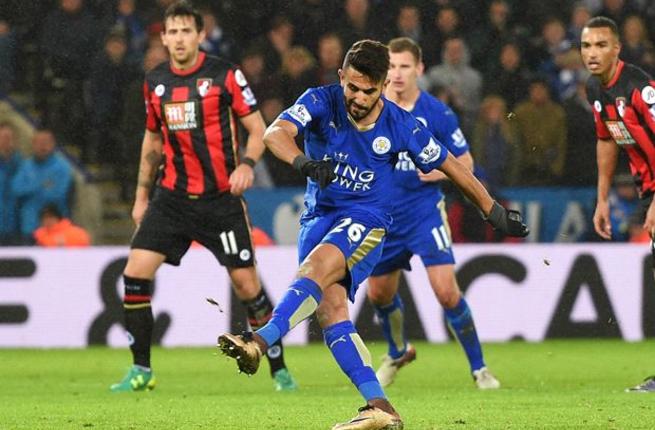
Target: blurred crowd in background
{"x":510,"y":68}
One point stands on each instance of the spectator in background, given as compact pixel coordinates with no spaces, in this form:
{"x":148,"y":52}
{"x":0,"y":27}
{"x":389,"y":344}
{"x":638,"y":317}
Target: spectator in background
{"x":133,"y":116}
{"x":10,"y":163}
{"x":509,"y":78}
{"x":298,"y":73}
{"x":217,"y":41}
{"x":7,"y":56}
{"x":618,"y":10}
{"x":57,"y":231}
{"x":313,"y":18}
{"x":330,"y":53}
{"x":445,"y":25}
{"x":357,"y":22}
{"x":70,"y":40}
{"x":636,"y":47}
{"x":542,"y":129}
{"x":134,"y":28}
{"x":580,"y":167}
{"x":495,"y":144}
{"x":464,"y":82}
{"x":279,"y":41}
{"x":110,"y":75}
{"x":262,"y":83}
{"x":552,"y":40}
{"x":408,"y":23}
{"x":489,"y":38}
{"x":579,"y":17}
{"x":44,"y":178}
{"x":624,"y":202}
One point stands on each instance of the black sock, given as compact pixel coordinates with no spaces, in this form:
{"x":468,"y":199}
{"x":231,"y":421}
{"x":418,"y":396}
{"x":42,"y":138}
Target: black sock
{"x":260,"y":310}
{"x":138,"y":318}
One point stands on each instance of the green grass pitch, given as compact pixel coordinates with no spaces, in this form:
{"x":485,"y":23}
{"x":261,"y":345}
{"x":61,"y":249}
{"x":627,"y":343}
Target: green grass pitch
{"x":551,"y":385}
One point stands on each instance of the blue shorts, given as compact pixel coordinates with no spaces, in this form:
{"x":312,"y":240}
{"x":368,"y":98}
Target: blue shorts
{"x":358,"y":235}
{"x":419,"y":229}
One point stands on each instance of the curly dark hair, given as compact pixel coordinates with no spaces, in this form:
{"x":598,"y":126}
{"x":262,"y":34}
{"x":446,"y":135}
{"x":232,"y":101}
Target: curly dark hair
{"x":370,"y":58}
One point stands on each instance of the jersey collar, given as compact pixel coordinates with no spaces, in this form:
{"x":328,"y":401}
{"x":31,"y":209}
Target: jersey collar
{"x":186,"y":72}
{"x":617,"y":74}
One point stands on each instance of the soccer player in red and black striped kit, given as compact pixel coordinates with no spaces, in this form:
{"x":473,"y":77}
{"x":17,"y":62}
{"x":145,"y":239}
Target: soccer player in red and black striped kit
{"x":622,"y":97}
{"x":190,"y":149}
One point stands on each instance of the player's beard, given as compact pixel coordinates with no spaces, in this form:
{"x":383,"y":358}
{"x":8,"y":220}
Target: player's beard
{"x":362,"y":111}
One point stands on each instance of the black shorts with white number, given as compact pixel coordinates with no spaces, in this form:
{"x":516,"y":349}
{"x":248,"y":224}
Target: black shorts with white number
{"x":173,"y":221}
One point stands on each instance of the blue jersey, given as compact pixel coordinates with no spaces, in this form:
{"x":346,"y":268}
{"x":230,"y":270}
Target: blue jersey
{"x":443,"y":124}
{"x":364,"y":159}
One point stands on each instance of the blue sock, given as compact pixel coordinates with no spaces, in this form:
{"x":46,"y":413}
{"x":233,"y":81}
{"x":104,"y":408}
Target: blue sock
{"x":393,"y":328}
{"x":299,"y":302}
{"x":353,"y":358}
{"x":461,"y":322}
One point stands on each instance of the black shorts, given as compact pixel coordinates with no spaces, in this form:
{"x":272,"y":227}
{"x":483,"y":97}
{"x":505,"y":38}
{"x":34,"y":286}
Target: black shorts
{"x":219,"y":223}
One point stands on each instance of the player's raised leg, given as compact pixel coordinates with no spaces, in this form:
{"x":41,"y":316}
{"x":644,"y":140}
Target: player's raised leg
{"x":260,"y":310}
{"x":137,"y":278}
{"x":382,"y":293}
{"x":460,"y":320}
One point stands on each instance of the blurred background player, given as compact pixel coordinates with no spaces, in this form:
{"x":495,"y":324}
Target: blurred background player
{"x":420,"y":226}
{"x":352,"y":141}
{"x":622,"y":97}
{"x":198,"y":192}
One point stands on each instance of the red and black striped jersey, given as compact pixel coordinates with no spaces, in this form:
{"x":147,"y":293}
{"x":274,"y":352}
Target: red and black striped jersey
{"x":194,"y":109}
{"x":624,"y":111}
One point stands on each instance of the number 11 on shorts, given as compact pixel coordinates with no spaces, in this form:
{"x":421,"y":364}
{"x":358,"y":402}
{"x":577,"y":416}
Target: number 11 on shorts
{"x":229,"y":241}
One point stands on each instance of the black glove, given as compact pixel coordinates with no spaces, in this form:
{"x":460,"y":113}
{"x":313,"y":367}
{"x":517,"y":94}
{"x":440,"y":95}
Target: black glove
{"x":322,"y":172}
{"x":507,"y":221}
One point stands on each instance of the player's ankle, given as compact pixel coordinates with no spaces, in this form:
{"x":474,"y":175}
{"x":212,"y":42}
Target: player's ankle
{"x":383,"y":404}
{"x":263,"y":346}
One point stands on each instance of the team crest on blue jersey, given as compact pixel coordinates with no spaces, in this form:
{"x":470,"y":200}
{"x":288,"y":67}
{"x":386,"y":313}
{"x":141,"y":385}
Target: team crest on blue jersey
{"x":430,"y":152}
{"x":381,"y":145}
{"x":203,"y":85}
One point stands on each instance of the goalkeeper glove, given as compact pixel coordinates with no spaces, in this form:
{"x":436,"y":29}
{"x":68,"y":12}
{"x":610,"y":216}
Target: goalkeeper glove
{"x":321,"y":172}
{"x":509,"y":222}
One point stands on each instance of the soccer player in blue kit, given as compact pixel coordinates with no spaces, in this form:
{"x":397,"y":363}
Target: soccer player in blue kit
{"x":420,"y":226}
{"x":352,"y":140}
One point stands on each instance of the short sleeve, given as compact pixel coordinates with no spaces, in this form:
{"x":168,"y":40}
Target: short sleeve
{"x":643,"y":100}
{"x":425,"y":150}
{"x":243,"y":99}
{"x":152,"y":122}
{"x":453,"y":137}
{"x":311,"y":106}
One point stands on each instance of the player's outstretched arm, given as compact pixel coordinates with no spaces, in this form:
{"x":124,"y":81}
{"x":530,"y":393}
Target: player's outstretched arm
{"x":437,"y":175}
{"x":151,"y":154}
{"x":243,"y":176}
{"x":509,"y":222}
{"x":606,"y":155}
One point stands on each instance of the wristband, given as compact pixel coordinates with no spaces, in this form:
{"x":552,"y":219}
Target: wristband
{"x":299,"y":161}
{"x":248,"y":161}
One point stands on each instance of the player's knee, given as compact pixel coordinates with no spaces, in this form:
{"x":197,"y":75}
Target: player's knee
{"x":378,"y":295}
{"x":245,"y":283}
{"x":448,"y":297}
{"x":330,"y":312}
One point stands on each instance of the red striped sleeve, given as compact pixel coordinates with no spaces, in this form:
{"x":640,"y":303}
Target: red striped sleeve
{"x":152,"y":121}
{"x":243,"y":99}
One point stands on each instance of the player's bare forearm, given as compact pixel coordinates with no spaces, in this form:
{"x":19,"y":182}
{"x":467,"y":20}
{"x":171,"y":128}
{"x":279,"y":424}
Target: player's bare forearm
{"x":463,"y":177}
{"x":279,"y":139}
{"x":151,"y":154}
{"x":437,"y":175}
{"x":606,"y":155}
{"x":255,"y":126}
